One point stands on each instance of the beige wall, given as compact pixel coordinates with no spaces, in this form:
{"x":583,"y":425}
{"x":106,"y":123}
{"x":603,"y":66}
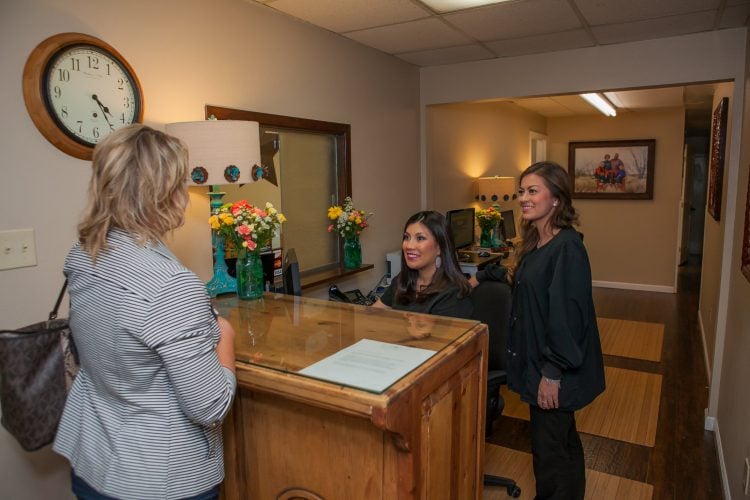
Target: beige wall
{"x":630,"y":242}
{"x":734,"y":405}
{"x":713,"y":234}
{"x":188,"y":53}
{"x":471,"y":140}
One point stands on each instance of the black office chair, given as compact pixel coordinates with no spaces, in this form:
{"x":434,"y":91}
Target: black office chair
{"x":491,"y":301}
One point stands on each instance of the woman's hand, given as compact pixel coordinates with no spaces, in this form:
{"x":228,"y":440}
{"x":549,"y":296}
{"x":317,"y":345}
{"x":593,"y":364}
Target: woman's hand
{"x":473,"y":281}
{"x":548,"y":395}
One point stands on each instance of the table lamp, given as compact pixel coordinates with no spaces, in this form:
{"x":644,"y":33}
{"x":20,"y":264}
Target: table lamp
{"x":495,"y":189}
{"x":220,"y":152}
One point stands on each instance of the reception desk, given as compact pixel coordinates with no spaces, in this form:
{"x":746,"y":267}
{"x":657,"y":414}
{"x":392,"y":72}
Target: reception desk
{"x":294,"y":435}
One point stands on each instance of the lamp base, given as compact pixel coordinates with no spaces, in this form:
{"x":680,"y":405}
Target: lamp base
{"x":221,"y":281}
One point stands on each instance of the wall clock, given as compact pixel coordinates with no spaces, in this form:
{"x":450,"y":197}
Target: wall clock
{"x":78,"y":89}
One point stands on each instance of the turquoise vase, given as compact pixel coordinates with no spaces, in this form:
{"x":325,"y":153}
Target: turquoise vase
{"x":352,"y":253}
{"x":485,"y":239}
{"x":249,"y":274}
{"x":497,"y":237}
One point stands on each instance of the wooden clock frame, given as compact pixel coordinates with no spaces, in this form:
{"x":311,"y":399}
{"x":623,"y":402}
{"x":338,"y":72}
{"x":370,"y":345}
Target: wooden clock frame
{"x":33,"y":84}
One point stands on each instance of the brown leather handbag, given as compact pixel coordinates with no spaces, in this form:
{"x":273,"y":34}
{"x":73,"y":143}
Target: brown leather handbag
{"x":37,"y":366}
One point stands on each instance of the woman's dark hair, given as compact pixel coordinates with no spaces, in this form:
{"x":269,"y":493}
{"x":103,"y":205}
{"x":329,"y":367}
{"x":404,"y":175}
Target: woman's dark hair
{"x":556,"y":179}
{"x":448,"y":274}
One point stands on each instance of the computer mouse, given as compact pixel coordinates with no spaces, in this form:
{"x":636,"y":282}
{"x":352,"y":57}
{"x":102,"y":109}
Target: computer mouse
{"x":484,"y":253}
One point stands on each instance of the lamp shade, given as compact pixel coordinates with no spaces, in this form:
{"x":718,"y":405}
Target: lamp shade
{"x":495,"y":189}
{"x":220,"y":151}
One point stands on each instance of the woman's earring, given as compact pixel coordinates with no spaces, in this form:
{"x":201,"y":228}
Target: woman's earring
{"x":438,"y":262}
{"x":554,"y":203}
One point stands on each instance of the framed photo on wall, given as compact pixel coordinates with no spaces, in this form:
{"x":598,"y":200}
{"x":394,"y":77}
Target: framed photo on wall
{"x":716,"y":167}
{"x":612,"y":169}
{"x":745,"y":258}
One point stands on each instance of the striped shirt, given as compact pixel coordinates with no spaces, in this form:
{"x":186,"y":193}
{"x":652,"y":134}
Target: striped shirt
{"x":143,"y":417}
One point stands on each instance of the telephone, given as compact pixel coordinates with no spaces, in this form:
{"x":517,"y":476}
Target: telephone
{"x":352,"y":296}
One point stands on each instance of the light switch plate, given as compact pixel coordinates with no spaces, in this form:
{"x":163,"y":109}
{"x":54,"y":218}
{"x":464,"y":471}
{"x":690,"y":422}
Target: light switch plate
{"x":17,"y":249}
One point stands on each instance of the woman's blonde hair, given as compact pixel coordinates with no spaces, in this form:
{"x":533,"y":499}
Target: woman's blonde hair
{"x":138,"y":184}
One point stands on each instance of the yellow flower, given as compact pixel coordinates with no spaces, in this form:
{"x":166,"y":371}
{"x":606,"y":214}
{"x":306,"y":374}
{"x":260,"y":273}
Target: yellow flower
{"x":226,"y":219}
{"x":334,"y":212}
{"x":282,"y":218}
{"x":214,"y":221}
{"x":358,"y":220}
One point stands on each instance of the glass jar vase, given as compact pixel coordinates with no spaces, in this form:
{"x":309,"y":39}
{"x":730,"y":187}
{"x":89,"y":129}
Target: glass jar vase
{"x":352,"y":253}
{"x":249,"y":274}
{"x":485,"y":238}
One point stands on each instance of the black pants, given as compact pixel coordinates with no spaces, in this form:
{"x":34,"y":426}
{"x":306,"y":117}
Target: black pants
{"x":559,"y":466}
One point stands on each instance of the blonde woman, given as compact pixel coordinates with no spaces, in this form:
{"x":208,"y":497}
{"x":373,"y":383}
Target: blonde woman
{"x":143,"y":418}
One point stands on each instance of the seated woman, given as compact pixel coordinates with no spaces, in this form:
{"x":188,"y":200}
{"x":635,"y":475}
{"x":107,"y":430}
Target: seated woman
{"x":430,"y":280}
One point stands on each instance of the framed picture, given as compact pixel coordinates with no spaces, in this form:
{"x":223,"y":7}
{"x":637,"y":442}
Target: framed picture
{"x":745,"y":258}
{"x":716,"y":167}
{"x":612,"y":169}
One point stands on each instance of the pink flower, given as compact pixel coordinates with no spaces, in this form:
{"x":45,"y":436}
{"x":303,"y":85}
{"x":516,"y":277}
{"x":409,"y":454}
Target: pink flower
{"x":243,"y":230}
{"x":251,"y":244}
{"x":330,"y":228}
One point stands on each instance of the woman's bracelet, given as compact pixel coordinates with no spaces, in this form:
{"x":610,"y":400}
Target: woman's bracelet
{"x":551,"y":381}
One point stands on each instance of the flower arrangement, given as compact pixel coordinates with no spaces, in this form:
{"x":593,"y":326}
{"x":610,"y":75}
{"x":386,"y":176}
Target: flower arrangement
{"x":488,"y":218}
{"x":245,"y":225}
{"x":348,"y":221}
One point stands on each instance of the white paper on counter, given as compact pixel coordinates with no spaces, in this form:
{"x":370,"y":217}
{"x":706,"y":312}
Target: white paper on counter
{"x":368,"y":364}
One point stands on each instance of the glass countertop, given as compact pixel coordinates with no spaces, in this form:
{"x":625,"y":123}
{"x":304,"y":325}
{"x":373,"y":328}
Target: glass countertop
{"x":289,"y":334}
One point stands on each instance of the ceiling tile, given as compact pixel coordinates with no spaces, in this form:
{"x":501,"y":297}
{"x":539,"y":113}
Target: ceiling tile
{"x":518,"y":19}
{"x":735,"y":16}
{"x":410,"y":37}
{"x":349,"y":15}
{"x":599,"y":12}
{"x":654,"y":28}
{"x":450,"y":55}
{"x":541,"y":43}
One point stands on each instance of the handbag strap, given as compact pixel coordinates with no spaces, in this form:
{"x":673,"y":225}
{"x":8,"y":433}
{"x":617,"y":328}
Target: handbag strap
{"x":53,"y":313}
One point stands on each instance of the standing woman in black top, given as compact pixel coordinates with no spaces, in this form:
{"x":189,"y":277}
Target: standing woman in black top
{"x":554,"y":357}
{"x":430,"y":280}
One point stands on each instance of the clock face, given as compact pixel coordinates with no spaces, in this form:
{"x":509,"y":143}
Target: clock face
{"x":89,"y":93}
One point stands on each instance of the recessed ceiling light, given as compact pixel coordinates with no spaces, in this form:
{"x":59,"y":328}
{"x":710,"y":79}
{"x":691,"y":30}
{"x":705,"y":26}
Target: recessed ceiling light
{"x":444,"y":6}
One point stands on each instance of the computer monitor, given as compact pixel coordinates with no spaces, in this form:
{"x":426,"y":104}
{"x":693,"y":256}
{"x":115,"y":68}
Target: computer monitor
{"x":509,"y":224}
{"x":461,"y":223}
{"x":290,"y":272}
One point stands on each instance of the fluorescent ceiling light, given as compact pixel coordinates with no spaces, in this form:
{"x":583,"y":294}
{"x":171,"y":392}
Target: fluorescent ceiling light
{"x":444,"y":6}
{"x":601,"y":103}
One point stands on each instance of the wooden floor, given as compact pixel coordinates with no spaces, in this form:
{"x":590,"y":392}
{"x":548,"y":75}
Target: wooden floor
{"x":683,"y":463}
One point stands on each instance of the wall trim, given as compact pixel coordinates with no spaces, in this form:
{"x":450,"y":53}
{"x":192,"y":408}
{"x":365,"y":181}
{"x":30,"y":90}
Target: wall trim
{"x":705,"y":347}
{"x":635,"y":286}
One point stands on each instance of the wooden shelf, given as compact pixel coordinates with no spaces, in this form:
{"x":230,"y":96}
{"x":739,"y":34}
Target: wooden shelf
{"x":326,"y":276}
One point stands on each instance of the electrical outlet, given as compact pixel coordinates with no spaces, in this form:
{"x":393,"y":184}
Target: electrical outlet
{"x":746,"y":478}
{"x":17,"y":249}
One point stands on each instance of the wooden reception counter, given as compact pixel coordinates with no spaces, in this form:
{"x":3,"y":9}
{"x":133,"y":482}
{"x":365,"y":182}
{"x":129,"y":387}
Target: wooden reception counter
{"x":295,"y":435}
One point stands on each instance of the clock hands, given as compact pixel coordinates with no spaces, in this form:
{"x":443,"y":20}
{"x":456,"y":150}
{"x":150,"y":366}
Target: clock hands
{"x":105,"y":110}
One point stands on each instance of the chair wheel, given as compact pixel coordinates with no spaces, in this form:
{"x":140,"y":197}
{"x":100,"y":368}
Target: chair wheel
{"x":514,"y":491}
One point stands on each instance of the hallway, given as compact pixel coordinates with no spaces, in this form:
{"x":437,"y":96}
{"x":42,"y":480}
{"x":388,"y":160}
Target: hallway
{"x":683,"y":462}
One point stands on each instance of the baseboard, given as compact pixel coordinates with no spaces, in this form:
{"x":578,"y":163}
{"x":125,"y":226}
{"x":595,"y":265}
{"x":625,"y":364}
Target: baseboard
{"x":722,"y":464}
{"x":635,"y":286}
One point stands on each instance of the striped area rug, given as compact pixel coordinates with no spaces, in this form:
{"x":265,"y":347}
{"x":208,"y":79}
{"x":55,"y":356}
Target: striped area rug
{"x":517,"y":465}
{"x":627,"y":411}
{"x":631,"y":339}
